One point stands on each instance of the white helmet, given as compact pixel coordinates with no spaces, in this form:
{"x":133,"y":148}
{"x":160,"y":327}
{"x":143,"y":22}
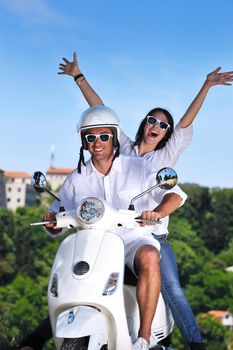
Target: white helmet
{"x":98,"y":116}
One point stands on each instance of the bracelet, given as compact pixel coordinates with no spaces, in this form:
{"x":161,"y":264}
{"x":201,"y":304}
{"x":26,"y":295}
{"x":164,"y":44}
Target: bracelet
{"x":79,"y":82}
{"x":79,"y":76}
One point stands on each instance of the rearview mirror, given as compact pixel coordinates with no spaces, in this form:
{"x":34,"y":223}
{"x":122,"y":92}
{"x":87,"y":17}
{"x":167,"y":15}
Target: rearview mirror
{"x":166,"y":178}
{"x":39,"y":181}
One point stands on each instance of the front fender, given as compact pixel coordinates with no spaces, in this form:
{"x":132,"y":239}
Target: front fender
{"x":80,"y":321}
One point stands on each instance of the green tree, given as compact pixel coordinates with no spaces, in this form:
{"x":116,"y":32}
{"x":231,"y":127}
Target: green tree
{"x":7,"y":249}
{"x":189,"y":249}
{"x":218,"y":224}
{"x":213,"y":331}
{"x":197,"y":204}
{"x":227,"y":255}
{"x":23,"y":303}
{"x":213,"y":287}
{"x":35,"y":249}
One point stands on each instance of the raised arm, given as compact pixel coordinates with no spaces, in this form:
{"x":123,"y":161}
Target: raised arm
{"x":212,"y":79}
{"x":72,"y":69}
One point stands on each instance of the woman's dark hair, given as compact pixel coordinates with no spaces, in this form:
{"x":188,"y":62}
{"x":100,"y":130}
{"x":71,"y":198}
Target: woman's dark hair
{"x":161,"y":144}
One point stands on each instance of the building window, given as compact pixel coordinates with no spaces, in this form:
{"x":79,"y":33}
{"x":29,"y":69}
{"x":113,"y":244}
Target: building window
{"x":18,"y":200}
{"x":8,"y":199}
{"x":19,"y":189}
{"x":9,"y":189}
{"x":12,"y":180}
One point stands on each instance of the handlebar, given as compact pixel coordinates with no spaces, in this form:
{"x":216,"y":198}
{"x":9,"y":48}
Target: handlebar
{"x":43,"y":223}
{"x":139,"y":219}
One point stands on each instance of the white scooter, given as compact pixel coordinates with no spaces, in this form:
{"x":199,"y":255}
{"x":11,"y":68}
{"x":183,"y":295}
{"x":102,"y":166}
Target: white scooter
{"x":90,"y":307}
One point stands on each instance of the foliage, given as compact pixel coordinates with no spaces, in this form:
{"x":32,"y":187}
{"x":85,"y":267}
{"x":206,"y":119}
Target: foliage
{"x":213,"y":331}
{"x":23,"y":304}
{"x":201,"y":234}
{"x":7,"y":248}
{"x":218,"y":228}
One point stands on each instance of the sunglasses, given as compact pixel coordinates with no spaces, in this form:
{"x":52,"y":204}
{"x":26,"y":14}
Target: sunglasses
{"x":91,"y":138}
{"x":153,"y":121}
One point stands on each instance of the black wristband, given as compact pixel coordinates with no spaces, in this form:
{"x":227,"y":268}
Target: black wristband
{"x":78,"y":76}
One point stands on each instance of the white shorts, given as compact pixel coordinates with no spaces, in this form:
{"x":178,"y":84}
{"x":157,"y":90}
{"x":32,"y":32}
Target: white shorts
{"x":133,"y":240}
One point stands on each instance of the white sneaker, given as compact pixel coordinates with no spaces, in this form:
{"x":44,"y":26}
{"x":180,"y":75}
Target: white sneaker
{"x":140,"y":344}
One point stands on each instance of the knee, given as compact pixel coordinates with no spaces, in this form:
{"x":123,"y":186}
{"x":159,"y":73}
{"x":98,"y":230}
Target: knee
{"x":147,"y":259}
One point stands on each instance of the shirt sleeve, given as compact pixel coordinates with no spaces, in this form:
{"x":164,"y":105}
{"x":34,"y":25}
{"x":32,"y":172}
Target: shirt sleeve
{"x":178,"y":142}
{"x":126,"y":144}
{"x":176,"y":189}
{"x":170,"y":153}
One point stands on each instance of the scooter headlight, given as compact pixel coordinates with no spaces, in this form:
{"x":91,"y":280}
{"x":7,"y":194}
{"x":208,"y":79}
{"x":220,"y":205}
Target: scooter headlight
{"x":90,"y":210}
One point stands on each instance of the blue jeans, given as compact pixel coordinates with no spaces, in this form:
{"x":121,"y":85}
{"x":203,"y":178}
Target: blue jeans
{"x":174,"y":296}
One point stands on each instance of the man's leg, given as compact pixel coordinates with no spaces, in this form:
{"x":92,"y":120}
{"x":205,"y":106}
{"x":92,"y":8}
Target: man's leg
{"x":147,"y":267}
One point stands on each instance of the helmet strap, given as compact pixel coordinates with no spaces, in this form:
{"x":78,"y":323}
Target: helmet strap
{"x":81,"y":159}
{"x":117,"y":152}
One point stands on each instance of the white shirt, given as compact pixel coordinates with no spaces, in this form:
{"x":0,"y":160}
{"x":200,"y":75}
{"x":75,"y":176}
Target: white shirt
{"x":166,"y":156}
{"x":128,"y":177}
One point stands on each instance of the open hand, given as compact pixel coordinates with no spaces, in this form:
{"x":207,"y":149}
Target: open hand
{"x":217,"y":78}
{"x":69,"y":68}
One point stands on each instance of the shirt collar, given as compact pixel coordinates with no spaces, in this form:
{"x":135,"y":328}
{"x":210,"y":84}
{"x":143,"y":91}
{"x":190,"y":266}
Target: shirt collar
{"x":116,"y":166}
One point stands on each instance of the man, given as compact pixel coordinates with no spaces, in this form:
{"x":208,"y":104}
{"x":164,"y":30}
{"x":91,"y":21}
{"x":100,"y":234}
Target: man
{"x":117,"y":179}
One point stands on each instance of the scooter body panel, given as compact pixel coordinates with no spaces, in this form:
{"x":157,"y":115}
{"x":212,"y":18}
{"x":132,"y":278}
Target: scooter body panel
{"x":104,"y":255}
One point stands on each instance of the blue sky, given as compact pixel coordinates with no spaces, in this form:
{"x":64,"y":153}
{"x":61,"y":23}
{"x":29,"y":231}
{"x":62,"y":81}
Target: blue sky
{"x":136,"y":54}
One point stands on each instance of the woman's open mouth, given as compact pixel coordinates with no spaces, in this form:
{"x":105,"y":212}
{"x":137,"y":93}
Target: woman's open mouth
{"x":153,"y":134}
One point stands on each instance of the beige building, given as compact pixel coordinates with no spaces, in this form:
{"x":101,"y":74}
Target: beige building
{"x":2,"y":190}
{"x":18,"y":190}
{"x":56,"y":177}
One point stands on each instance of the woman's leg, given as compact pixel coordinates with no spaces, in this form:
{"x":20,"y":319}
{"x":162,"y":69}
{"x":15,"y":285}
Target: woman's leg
{"x":174,"y":295}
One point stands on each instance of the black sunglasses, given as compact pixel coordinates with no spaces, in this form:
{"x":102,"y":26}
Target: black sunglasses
{"x":153,"y":121}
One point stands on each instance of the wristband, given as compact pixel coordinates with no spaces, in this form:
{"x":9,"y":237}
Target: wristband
{"x":78,"y":76}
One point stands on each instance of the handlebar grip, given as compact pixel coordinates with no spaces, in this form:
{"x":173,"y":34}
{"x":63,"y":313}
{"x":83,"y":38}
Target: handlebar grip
{"x":139,"y":219}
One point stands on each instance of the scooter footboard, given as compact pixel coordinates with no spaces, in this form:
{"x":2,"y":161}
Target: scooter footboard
{"x":80,"y":321}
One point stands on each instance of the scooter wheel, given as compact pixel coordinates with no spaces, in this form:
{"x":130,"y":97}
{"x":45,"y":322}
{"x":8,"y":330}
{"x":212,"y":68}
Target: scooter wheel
{"x":75,"y":343}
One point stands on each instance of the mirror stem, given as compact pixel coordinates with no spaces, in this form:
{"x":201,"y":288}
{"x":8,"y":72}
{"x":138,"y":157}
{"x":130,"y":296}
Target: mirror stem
{"x":131,"y":205}
{"x":53,"y":195}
